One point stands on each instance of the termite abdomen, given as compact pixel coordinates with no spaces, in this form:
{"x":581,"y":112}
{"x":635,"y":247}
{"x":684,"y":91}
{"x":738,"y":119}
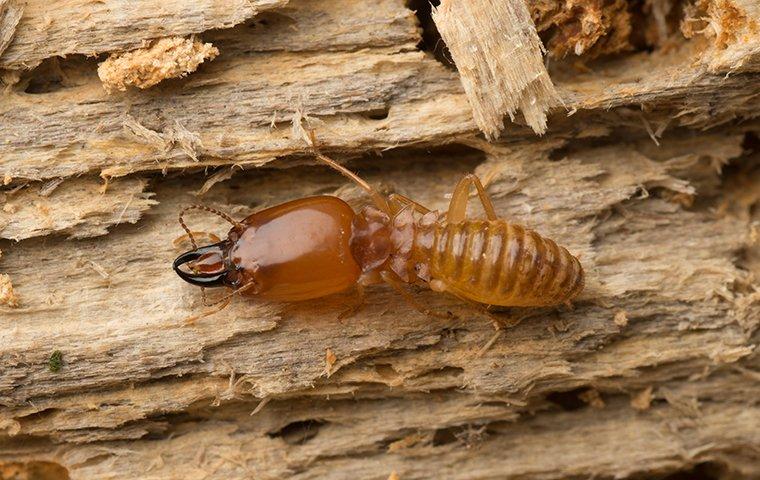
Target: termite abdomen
{"x":498,"y":263}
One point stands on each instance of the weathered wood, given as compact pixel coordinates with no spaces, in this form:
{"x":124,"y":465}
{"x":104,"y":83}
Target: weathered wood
{"x":108,"y":388}
{"x":81,"y":129}
{"x":10,"y":14}
{"x":647,"y":177}
{"x":452,"y":436}
{"x":89,"y":28}
{"x":77,"y":208}
{"x":499,"y":58}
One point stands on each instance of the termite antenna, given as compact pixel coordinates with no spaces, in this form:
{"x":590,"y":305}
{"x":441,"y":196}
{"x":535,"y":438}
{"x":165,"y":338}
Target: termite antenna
{"x":182,"y":223}
{"x":379,"y":200}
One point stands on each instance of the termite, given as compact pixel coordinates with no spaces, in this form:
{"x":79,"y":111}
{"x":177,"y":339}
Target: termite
{"x":317,"y":246}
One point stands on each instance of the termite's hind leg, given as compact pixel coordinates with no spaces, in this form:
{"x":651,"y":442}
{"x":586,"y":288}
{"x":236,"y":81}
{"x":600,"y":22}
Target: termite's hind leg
{"x":398,"y":202}
{"x":440,"y":286}
{"x":459,"y":198}
{"x":399,"y":286}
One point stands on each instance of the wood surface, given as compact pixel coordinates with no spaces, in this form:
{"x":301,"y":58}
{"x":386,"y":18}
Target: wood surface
{"x":649,"y":172}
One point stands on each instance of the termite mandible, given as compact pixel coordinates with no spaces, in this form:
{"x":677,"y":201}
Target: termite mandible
{"x":317,"y":246}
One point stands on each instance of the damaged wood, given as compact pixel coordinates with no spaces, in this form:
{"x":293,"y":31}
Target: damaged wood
{"x":237,"y":357}
{"x":169,"y":57}
{"x":397,"y":97}
{"x":588,"y":28}
{"x":112,"y":367}
{"x":77,"y":208}
{"x":10,"y":14}
{"x":90,"y":28}
{"x":499,"y":58}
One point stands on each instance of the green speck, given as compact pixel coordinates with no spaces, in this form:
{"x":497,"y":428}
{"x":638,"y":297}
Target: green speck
{"x":56,"y":361}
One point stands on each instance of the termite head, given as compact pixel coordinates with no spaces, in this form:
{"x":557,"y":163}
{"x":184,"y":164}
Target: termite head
{"x":204,"y":266}
{"x":210,"y":265}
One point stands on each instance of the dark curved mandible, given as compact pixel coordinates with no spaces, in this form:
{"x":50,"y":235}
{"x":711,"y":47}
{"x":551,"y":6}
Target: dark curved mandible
{"x":199,"y":279}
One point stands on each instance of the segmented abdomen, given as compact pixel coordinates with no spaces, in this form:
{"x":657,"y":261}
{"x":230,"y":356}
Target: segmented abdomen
{"x":499,"y":263}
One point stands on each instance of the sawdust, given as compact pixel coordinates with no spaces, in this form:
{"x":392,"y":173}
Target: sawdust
{"x":621,"y":318}
{"x":8,"y":296}
{"x":718,"y":19}
{"x":145,"y":67}
{"x":590,"y":28}
{"x":593,"y":398}
{"x":730,"y":21}
{"x":642,"y":400}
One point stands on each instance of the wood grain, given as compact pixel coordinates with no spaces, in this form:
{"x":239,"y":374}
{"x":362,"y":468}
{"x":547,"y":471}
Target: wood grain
{"x":123,"y":373}
{"x":90,"y":28}
{"x":648,"y":174}
{"x":500,"y":61}
{"x":77,"y":208}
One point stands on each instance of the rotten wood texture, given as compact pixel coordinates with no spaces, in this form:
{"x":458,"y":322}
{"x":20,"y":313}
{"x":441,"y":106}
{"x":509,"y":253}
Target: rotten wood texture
{"x":90,"y":28}
{"x":10,"y":14}
{"x":130,"y":361}
{"x":170,"y":57}
{"x":500,"y":61}
{"x":650,"y":177}
{"x":368,"y":89}
{"x":77,"y":208}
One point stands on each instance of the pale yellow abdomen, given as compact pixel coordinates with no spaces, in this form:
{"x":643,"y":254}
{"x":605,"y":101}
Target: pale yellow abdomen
{"x":498,"y":263}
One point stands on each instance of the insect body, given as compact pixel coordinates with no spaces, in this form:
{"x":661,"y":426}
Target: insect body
{"x":317,"y":246}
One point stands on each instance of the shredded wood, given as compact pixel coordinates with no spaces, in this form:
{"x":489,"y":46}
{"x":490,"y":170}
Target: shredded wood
{"x":584,"y":27}
{"x":10,"y":14}
{"x":499,"y":58}
{"x":113,"y":367}
{"x":8,"y":296}
{"x":74,"y":207}
{"x":165,"y":58}
{"x":89,"y":28}
{"x":642,"y":400}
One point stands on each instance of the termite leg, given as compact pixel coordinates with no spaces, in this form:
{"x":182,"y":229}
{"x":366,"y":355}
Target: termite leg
{"x":399,"y":286}
{"x":218,"y":307}
{"x":398,"y":201}
{"x":440,"y":286}
{"x":351,"y":310}
{"x":458,"y":206}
